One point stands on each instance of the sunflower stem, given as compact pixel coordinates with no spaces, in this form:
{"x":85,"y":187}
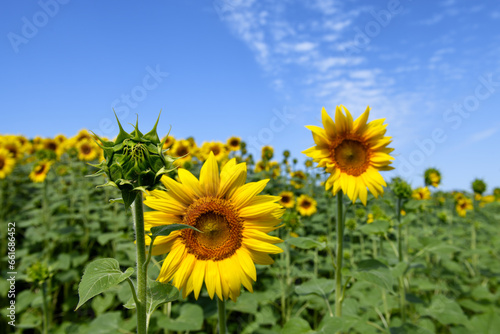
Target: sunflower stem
{"x":339,"y":254}
{"x":138,"y":214}
{"x":45,"y":309}
{"x":221,"y":308}
{"x":402,"y":293}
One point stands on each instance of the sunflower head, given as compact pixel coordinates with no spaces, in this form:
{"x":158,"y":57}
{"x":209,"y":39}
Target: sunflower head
{"x":287,"y":199}
{"x":7,"y":163}
{"x":463,"y":205}
{"x":234,"y":221}
{"x":267,"y":152}
{"x":478,"y":186}
{"x":306,"y":205}
{"x":353,"y":152}
{"x":432,"y":177}
{"x":496,"y":193}
{"x":421,"y":193}
{"x":298,"y":180}
{"x":134,"y":161}
{"x":234,"y":143}
{"x":40,"y":171}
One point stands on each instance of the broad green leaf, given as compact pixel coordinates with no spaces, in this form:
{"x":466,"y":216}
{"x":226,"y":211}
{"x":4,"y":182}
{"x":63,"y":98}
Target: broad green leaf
{"x":190,"y":319}
{"x":297,"y":326}
{"x":306,"y":243}
{"x":158,"y":294}
{"x":487,"y":323}
{"x":378,"y":226}
{"x":409,"y":329}
{"x":446,"y":311}
{"x":331,"y":325}
{"x":375,"y":272}
{"x":99,"y":276}
{"x":246,"y":303}
{"x":165,"y":230}
{"x":320,"y":286}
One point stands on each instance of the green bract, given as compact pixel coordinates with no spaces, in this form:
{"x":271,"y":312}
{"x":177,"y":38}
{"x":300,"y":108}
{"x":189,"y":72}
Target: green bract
{"x":134,"y":162}
{"x":478,"y":186}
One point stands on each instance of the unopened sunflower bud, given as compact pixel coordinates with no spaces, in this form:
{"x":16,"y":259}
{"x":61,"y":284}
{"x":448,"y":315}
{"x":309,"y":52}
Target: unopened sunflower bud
{"x":479,"y":186}
{"x":401,"y":189}
{"x":134,"y":162}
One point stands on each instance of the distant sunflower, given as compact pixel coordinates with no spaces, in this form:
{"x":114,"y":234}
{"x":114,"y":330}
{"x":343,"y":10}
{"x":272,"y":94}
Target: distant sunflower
{"x":234,"y":143}
{"x":432,"y":177}
{"x":235,"y":222}
{"x":217,"y":148}
{"x":287,"y":199}
{"x":168,"y":142}
{"x":306,"y":205}
{"x":267,"y":152}
{"x":7,"y":163}
{"x":353,"y":152}
{"x":12,"y":144}
{"x":421,"y":193}
{"x":182,"y":150}
{"x":88,"y":150}
{"x":463,"y":205}
{"x":40,"y":171}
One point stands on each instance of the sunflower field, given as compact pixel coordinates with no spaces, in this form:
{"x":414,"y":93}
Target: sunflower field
{"x":156,"y":234}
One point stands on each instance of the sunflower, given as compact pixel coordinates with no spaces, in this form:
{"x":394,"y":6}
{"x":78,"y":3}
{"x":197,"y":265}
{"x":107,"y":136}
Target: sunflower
{"x":234,"y":143}
{"x":306,"y":205}
{"x":168,"y":142}
{"x":182,"y":150}
{"x":421,"y":193}
{"x":432,"y":177}
{"x":287,"y":199}
{"x":7,"y":163}
{"x":370,"y":218}
{"x":463,"y":205}
{"x":88,"y":150}
{"x":353,"y":152}
{"x":53,"y":145}
{"x":217,"y":148}
{"x":12,"y":144}
{"x":40,"y":171}
{"x":267,"y":152}
{"x":233,"y":219}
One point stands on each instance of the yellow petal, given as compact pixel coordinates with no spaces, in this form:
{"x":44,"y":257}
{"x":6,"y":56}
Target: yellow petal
{"x":190,"y":182}
{"x":328,"y":124}
{"x":243,"y":195}
{"x":178,"y":191}
{"x":246,"y":263}
{"x":209,"y":176}
{"x":261,"y":246}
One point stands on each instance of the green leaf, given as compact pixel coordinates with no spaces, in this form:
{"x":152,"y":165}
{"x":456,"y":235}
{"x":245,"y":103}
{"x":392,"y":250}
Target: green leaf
{"x":165,"y":230}
{"x":99,"y":276}
{"x":375,"y":272}
{"x":333,"y":325}
{"x":378,"y":226}
{"x":306,"y":243}
{"x":409,"y":329}
{"x":158,"y":294}
{"x":246,"y":303}
{"x":297,"y":326}
{"x":190,"y":319}
{"x":487,"y":323}
{"x":320,"y":286}
{"x":446,"y":311}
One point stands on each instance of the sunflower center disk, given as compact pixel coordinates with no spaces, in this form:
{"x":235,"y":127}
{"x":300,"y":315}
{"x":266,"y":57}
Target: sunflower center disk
{"x":352,"y":157}
{"x":221,"y":227}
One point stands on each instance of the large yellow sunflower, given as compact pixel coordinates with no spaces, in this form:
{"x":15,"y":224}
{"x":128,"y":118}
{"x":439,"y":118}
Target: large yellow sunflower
{"x":233,"y":219}
{"x":353,"y":152}
{"x":7,"y":163}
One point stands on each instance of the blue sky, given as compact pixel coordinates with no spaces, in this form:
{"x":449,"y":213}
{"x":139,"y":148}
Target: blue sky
{"x":262,"y":70}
